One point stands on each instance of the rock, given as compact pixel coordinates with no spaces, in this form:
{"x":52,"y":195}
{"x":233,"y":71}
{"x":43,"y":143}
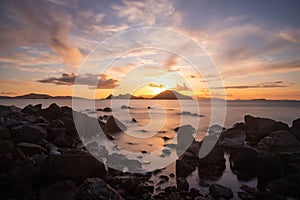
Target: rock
{"x":258,"y":128}
{"x":125,"y":107}
{"x":244,"y":162}
{"x":32,"y":110}
{"x":218,"y":191}
{"x":31,"y":149}
{"x":4,"y":110}
{"x":6,"y":146}
{"x":212,"y":165}
{"x":107,"y":109}
{"x":185,"y":136}
{"x":182,"y":184}
{"x":24,"y":177}
{"x":245,"y":196}
{"x":165,"y":138}
{"x":63,"y":140}
{"x":75,"y":167}
{"x":164,"y":177}
{"x":215,"y":130}
{"x":64,"y":189}
{"x":149,"y":107}
{"x":55,"y":132}
{"x":32,"y":134}
{"x":166,"y":151}
{"x":233,"y":138}
{"x":183,"y":169}
{"x":114,"y":125}
{"x":4,"y":133}
{"x":295,"y":130}
{"x":133,"y":120}
{"x":268,"y":195}
{"x":278,"y":141}
{"x":248,"y":189}
{"x":96,"y":188}
{"x":52,"y":112}
{"x":286,"y":186}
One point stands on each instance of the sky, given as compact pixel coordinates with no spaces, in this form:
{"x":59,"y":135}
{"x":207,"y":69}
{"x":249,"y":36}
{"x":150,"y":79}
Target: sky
{"x":50,"y":46}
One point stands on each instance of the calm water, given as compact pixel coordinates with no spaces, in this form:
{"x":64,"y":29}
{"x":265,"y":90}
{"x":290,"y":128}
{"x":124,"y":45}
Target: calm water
{"x":165,"y":115}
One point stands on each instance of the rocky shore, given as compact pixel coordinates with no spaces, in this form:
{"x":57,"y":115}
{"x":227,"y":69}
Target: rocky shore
{"x":42,"y":157}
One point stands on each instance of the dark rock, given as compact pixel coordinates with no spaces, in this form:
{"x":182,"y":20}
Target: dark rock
{"x":32,"y":134}
{"x":125,"y":107}
{"x":31,"y":149}
{"x":183,"y":169}
{"x":73,"y":167}
{"x":217,"y":191}
{"x":185,"y":136}
{"x":182,"y":184}
{"x":244,"y":162}
{"x":165,"y":138}
{"x":295,"y":130}
{"x":64,"y":189}
{"x":286,"y":186}
{"x":63,"y":140}
{"x":166,"y":151}
{"x":32,"y":110}
{"x":212,"y":165}
{"x":245,"y":196}
{"x":6,"y":146}
{"x":107,"y":109}
{"x":258,"y":128}
{"x":248,"y":189}
{"x":268,"y":195}
{"x":96,"y":189}
{"x":233,"y":138}
{"x":57,"y":123}
{"x":149,"y":107}
{"x":4,"y":133}
{"x":133,"y":120}
{"x":164,"y":177}
{"x":215,"y":130}
{"x":55,"y":132}
{"x":278,"y":141}
{"x":4,"y":110}
{"x":114,"y":125}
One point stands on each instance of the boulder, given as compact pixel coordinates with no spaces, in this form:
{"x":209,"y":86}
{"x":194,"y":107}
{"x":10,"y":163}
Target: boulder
{"x":107,"y":109}
{"x":185,"y":136}
{"x":75,"y":167}
{"x":96,"y":189}
{"x":114,"y":125}
{"x":286,"y":186}
{"x":64,"y":189}
{"x":295,"y":130}
{"x":32,"y":110}
{"x":55,"y":132}
{"x":4,"y":110}
{"x":32,"y":134}
{"x":278,"y":141}
{"x":4,"y":133}
{"x":218,"y":191}
{"x":258,"y":128}
{"x":63,"y":140}
{"x":6,"y":146}
{"x":233,"y":138}
{"x":183,"y":169}
{"x":31,"y":149}
{"x":244,"y":162}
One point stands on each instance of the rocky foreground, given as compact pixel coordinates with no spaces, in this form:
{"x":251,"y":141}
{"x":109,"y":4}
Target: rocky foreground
{"x":42,"y":157}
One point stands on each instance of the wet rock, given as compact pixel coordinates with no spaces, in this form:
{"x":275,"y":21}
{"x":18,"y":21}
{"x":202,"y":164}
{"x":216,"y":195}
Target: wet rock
{"x":218,"y":191}
{"x":295,"y":130}
{"x":182,"y":184}
{"x":5,"y":146}
{"x":4,"y":110}
{"x":114,"y":125}
{"x":244,"y":162}
{"x":286,"y":186}
{"x":75,"y":167}
{"x":32,"y":110}
{"x":233,"y":138}
{"x":96,"y":189}
{"x":258,"y":128}
{"x":133,"y":120}
{"x":32,"y":134}
{"x":64,"y":189}
{"x":248,"y":189}
{"x":107,"y":109}
{"x":278,"y":141}
{"x":55,"y":132}
{"x":4,"y":133}
{"x":31,"y":149}
{"x":245,"y":196}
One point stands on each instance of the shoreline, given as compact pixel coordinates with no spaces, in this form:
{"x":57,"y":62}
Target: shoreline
{"x":42,"y":154}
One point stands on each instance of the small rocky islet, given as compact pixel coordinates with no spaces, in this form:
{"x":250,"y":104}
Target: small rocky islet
{"x":42,"y":157}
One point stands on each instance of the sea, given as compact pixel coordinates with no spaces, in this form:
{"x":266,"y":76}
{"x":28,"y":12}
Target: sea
{"x":157,"y":118}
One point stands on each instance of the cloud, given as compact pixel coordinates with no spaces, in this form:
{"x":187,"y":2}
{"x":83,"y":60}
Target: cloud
{"x":291,"y":35}
{"x":271,"y":84}
{"x":182,"y":87}
{"x":9,"y":93}
{"x":156,"y":85}
{"x":92,"y":80}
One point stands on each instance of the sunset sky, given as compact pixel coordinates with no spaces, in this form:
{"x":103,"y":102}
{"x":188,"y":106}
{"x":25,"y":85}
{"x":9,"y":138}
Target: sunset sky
{"x":255,"y":45}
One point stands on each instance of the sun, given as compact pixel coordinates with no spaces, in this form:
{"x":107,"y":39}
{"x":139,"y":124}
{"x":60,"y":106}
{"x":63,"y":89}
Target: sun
{"x":157,"y":90}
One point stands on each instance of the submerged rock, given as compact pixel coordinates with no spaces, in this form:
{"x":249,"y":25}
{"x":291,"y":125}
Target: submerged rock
{"x":107,"y":109}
